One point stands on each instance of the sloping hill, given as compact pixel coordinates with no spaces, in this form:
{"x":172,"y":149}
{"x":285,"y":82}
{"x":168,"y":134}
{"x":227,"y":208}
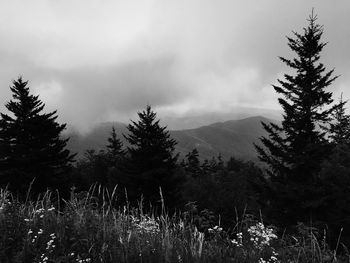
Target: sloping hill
{"x":229,"y":138}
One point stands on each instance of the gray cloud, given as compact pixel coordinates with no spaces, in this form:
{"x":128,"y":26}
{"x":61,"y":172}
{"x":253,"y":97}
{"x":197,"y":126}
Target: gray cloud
{"x":97,"y":61}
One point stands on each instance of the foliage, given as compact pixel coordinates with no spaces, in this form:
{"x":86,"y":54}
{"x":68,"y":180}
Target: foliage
{"x":295,"y":151}
{"x":93,"y":168}
{"x":88,"y":228}
{"x":115,"y":149}
{"x":339,"y":129}
{"x":333,"y":209}
{"x":226,"y":189}
{"x":101,"y":168}
{"x":192,"y":163}
{"x":151,"y":161}
{"x":30,"y":143}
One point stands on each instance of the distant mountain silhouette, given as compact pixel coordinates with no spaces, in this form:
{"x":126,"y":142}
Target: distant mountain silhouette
{"x":194,"y":120}
{"x":229,"y":138}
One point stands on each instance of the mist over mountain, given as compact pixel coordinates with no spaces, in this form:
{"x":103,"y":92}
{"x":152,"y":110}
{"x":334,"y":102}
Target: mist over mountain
{"x":197,"y":119}
{"x":228,"y":138}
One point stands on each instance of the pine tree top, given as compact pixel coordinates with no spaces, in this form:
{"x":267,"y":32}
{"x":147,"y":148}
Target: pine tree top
{"x":115,"y":146}
{"x":147,"y":132}
{"x":150,"y":143}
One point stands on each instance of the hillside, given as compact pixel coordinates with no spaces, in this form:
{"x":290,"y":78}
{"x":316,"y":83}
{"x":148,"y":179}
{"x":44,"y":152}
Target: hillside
{"x":230,"y":138}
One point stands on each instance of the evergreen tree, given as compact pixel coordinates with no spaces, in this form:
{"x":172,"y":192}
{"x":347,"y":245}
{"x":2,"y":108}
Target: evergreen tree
{"x":151,"y":161}
{"x":192,"y":164}
{"x":30,"y":143}
{"x":340,"y":127}
{"x":115,"y":148}
{"x":294,"y":152}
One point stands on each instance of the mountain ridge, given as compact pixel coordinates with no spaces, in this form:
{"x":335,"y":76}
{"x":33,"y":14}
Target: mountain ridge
{"x":227,"y":138}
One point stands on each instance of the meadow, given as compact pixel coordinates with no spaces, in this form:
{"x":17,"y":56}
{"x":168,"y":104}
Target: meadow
{"x":90,"y":227}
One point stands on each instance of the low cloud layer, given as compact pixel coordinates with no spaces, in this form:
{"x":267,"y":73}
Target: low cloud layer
{"x":105,"y":60}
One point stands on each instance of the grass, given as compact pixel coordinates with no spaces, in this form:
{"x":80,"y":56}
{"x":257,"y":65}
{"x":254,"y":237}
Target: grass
{"x":89,"y":227}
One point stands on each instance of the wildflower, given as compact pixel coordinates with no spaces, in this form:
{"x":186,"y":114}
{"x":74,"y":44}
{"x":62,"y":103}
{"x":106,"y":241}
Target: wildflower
{"x":273,"y":258}
{"x":239,"y":241}
{"x":234,"y":241}
{"x":261,"y":235}
{"x":147,"y":224}
{"x":44,"y":258}
{"x":39,"y":211}
{"x":217,"y":228}
{"x":49,"y":244}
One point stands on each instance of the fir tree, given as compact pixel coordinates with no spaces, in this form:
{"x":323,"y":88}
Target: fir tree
{"x":294,"y":151}
{"x":151,"y":160}
{"x":115,"y":148}
{"x":340,"y":127}
{"x":30,"y":143}
{"x":192,"y":164}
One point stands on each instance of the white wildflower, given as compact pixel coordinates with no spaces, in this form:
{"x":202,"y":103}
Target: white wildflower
{"x":260,"y":235}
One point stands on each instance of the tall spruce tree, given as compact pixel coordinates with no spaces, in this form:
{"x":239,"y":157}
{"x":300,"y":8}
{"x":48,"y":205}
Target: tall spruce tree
{"x":30,"y":144}
{"x":151,"y":159}
{"x":294,"y":151}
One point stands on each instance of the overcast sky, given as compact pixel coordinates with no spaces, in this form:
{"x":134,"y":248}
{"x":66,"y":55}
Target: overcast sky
{"x":100,"y":60}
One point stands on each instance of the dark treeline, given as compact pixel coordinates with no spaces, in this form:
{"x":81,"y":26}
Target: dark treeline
{"x":305,"y":176}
